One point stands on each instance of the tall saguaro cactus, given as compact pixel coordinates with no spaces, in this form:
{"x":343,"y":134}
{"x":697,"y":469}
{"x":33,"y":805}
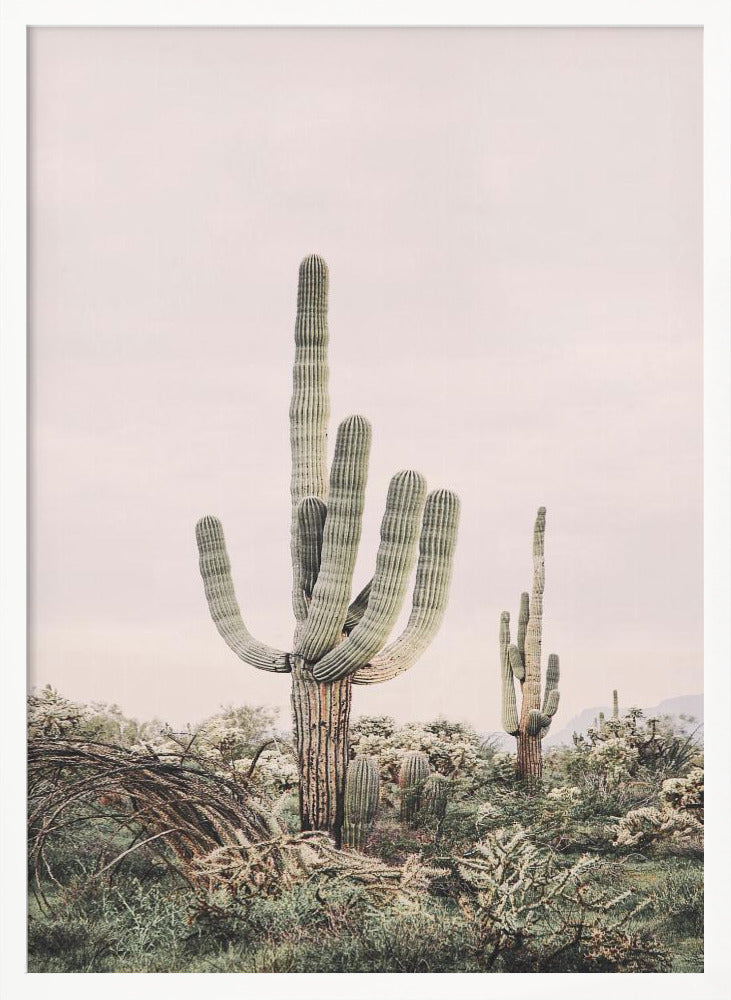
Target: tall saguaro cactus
{"x":338,"y":641}
{"x":522,"y":662}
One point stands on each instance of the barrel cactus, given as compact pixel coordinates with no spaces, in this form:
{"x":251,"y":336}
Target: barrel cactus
{"x":362,"y":790}
{"x":415,"y":770}
{"x":522,"y":662}
{"x":339,"y":640}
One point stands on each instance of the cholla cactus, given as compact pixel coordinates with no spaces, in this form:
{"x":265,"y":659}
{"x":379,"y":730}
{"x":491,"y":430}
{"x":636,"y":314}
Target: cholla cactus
{"x":649,"y":825}
{"x":685,"y":794}
{"x":523,"y":662}
{"x":362,"y":790}
{"x":338,"y":641}
{"x":510,"y":885}
{"x":412,"y":777}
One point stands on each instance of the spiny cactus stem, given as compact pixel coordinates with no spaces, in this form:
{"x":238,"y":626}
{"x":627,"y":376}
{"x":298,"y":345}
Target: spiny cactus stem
{"x":414,"y":771}
{"x":362,"y":787}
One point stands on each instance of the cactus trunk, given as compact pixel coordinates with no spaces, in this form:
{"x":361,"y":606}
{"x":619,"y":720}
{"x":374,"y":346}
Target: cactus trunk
{"x":321,"y":720}
{"x":530,"y":757}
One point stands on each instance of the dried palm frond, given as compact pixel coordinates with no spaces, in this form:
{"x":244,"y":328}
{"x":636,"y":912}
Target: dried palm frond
{"x":164,"y":799}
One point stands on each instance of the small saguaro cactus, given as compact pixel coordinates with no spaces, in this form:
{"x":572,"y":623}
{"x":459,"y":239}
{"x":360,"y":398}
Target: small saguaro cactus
{"x":522,"y":662}
{"x":362,"y":791}
{"x":415,"y":769}
{"x":338,"y":641}
{"x":615,"y":704}
{"x":601,"y":720}
{"x":436,"y":795}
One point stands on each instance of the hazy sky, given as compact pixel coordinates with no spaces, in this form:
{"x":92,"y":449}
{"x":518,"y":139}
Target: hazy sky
{"x":513,"y":224}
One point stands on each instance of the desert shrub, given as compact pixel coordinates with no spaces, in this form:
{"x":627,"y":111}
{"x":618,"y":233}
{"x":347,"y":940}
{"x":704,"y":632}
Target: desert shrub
{"x":633,"y":749}
{"x":454,"y":749}
{"x":559,"y":818}
{"x":680,"y":902}
{"x":53,"y":716}
{"x":430,"y":938}
{"x":98,"y":927}
{"x":238,"y":743}
{"x":613,"y":949}
{"x":70,"y":943}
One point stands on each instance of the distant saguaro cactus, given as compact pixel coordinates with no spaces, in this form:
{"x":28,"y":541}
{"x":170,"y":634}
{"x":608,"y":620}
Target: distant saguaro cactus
{"x":415,"y":769}
{"x":615,"y":704}
{"x":362,"y":791}
{"x":338,"y":641}
{"x":522,"y":662}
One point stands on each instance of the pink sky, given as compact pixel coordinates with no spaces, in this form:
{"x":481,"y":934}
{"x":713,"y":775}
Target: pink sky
{"x":512,"y":220}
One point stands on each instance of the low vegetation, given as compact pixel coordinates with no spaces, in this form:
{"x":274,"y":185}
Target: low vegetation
{"x":161,"y":851}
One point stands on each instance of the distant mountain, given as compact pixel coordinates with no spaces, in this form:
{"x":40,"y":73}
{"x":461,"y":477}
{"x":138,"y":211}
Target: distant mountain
{"x":688,"y":704}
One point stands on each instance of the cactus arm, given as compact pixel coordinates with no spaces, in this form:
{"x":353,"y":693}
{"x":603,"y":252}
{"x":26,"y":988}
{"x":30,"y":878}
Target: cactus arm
{"x":551,"y":693}
{"x":311,"y":514}
{"x":535,"y":722}
{"x":550,"y":707}
{"x":357,"y":608}
{"x":517,"y":664}
{"x":341,"y":535}
{"x":553,"y":673}
{"x":433,"y":575}
{"x":523,"y":616}
{"x":215,"y":569}
{"x":509,"y":705}
{"x":310,"y":406}
{"x":396,"y":553}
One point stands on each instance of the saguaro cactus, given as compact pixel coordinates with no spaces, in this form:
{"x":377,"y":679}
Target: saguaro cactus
{"x":362,"y":790}
{"x":415,"y":769}
{"x":522,"y":662}
{"x":436,"y":795}
{"x":615,"y":704}
{"x":337,"y":641}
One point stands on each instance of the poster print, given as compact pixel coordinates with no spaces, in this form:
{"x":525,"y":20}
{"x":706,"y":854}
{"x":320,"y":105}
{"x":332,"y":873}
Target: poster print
{"x":414,"y":316}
